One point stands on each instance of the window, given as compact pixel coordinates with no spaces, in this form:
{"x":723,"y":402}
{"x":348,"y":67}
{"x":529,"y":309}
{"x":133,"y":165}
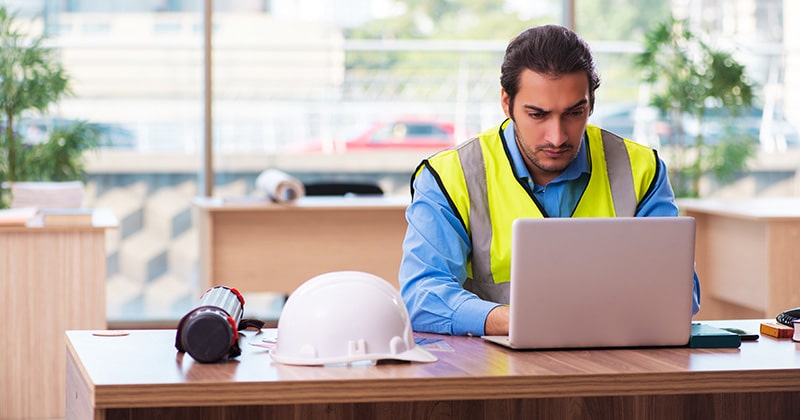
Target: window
{"x":282,"y":78}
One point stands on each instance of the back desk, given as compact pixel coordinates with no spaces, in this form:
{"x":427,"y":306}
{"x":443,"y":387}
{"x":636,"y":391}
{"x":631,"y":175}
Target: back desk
{"x":257,"y":246}
{"x":141,"y":376}
{"x":746,"y":255}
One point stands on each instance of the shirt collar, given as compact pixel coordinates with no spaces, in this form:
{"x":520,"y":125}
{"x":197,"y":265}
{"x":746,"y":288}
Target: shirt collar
{"x":575,"y":169}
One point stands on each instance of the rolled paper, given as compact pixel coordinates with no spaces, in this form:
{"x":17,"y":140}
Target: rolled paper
{"x":280,"y":187}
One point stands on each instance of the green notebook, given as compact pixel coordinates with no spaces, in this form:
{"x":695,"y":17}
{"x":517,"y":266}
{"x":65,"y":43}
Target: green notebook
{"x":705,"y":336}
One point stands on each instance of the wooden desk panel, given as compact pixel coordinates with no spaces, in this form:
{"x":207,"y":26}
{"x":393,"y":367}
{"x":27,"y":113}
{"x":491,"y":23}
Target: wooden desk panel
{"x":51,"y":279}
{"x":262,"y":247}
{"x":142,"y":376}
{"x":747,"y":256}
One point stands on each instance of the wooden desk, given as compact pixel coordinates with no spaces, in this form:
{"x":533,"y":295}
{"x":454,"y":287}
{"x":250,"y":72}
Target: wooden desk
{"x":141,"y":376}
{"x":263,"y":247}
{"x":52,"y":279}
{"x":747,"y":256}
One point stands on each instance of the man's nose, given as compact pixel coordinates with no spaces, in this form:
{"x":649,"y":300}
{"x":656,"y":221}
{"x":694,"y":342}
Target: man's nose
{"x":556,"y":132}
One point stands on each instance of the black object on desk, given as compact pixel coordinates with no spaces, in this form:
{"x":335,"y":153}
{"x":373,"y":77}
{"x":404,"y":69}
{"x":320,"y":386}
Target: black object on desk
{"x":788,"y":317}
{"x":342,"y":188}
{"x":744,"y":335}
{"x":705,"y":336}
{"x":210,"y":331}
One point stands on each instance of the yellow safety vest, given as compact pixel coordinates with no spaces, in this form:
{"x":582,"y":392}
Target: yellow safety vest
{"x":479,"y":182}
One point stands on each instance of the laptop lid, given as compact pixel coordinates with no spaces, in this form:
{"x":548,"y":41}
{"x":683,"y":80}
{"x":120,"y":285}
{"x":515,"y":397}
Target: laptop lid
{"x":601,"y":282}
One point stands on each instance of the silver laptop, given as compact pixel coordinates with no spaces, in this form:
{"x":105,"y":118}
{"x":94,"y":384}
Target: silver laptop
{"x":600,"y":282}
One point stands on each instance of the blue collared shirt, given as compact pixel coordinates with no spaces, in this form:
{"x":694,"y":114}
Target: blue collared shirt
{"x":436,"y":246}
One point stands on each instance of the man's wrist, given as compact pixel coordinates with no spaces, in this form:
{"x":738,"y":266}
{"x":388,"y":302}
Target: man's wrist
{"x":497,"y":321}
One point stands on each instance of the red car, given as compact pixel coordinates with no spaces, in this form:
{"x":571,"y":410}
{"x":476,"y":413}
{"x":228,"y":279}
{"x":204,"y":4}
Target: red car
{"x":405,"y":134}
{"x":399,"y":134}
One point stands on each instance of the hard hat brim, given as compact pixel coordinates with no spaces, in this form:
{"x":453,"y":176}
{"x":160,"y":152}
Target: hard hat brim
{"x":415,"y":354}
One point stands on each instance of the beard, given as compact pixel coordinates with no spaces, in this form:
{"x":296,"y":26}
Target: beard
{"x":538,"y":155}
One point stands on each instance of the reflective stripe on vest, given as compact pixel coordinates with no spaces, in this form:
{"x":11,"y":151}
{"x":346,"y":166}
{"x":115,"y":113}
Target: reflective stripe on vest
{"x":618,"y":165}
{"x":480,"y":223}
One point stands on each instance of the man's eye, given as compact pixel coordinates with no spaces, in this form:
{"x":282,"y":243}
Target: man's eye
{"x":576,"y":113}
{"x":536,"y":114}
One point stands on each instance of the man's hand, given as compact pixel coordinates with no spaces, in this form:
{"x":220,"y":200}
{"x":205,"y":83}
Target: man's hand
{"x":497,"y":321}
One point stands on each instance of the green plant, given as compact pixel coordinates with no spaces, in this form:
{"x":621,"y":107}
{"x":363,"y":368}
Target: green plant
{"x":689,"y":77}
{"x":31,"y":81}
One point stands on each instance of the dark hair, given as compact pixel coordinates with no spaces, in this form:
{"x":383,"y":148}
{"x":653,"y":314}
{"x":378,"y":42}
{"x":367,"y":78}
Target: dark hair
{"x":551,"y":50}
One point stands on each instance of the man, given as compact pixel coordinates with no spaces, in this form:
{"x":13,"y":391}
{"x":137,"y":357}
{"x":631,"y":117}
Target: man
{"x":543,"y":161}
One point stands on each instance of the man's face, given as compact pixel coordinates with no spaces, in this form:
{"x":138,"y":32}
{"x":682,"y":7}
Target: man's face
{"x":550,"y":116}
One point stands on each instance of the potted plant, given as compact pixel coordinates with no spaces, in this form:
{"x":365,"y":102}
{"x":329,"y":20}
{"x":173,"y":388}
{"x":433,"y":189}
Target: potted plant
{"x":31,"y":81}
{"x":689,"y":81}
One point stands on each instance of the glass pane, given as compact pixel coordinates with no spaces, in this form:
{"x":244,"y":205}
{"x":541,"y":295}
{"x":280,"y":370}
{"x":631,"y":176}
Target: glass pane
{"x":135,"y":70}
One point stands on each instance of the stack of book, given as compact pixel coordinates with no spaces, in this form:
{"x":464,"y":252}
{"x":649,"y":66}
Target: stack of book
{"x":46,"y":195}
{"x":67,"y":217}
{"x":47,"y":204}
{"x":19,"y":216}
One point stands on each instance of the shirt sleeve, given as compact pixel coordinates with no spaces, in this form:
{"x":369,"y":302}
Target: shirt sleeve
{"x":659,"y":202}
{"x":434,"y":266}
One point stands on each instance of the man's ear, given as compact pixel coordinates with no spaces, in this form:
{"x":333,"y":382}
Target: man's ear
{"x":505,"y":101}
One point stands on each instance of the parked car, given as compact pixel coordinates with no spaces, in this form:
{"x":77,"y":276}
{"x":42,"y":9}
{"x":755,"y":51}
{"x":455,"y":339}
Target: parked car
{"x":405,"y":134}
{"x":409,"y":133}
{"x":629,"y":120}
{"x":37,"y":130}
{"x":644,"y":125}
{"x":772,"y":134}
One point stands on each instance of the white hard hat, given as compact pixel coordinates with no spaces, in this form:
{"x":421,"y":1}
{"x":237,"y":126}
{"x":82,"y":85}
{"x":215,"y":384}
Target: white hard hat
{"x":343,"y":317}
